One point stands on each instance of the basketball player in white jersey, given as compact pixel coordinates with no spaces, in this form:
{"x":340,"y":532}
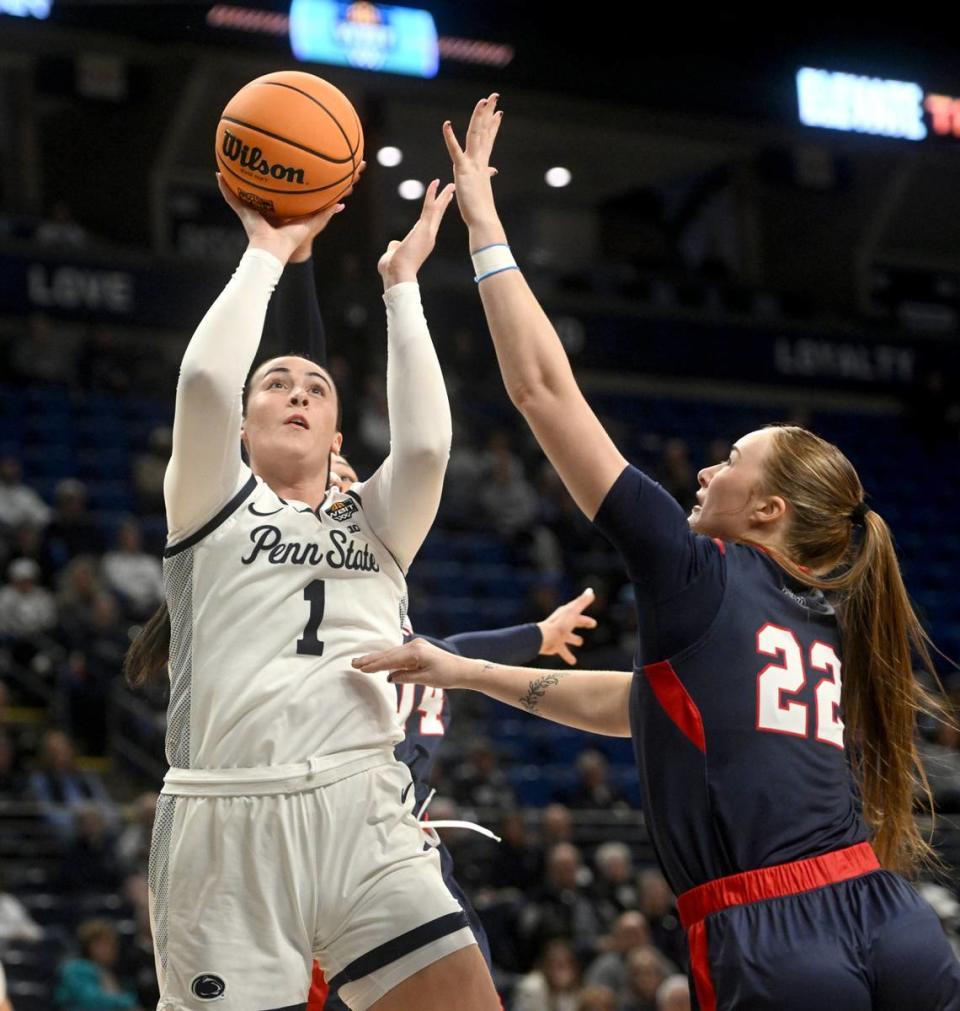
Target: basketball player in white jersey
{"x":285,"y":829}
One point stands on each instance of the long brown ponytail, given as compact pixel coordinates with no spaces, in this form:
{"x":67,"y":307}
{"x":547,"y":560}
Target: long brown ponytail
{"x":832,"y":530}
{"x":147,"y":657}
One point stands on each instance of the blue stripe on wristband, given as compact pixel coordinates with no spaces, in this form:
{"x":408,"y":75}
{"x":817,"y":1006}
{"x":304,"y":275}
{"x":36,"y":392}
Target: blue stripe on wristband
{"x":493,"y":245}
{"x":498,"y":270}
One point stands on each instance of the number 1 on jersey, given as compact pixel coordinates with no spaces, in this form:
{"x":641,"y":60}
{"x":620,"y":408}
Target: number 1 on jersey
{"x":315,"y":595}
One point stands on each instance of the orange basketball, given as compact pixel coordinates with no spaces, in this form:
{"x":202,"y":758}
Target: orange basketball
{"x":289,"y":143}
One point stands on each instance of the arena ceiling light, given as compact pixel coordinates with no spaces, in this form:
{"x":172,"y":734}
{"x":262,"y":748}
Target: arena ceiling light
{"x":411,"y":189}
{"x":389,"y":157}
{"x":558,"y":176}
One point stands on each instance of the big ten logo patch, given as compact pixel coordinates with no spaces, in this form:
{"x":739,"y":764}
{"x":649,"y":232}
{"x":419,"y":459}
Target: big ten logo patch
{"x":342,"y":511}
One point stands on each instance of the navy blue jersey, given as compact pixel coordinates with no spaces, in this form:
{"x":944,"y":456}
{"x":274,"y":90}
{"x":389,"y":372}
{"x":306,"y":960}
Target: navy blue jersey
{"x":425,"y":712}
{"x":735,"y":703}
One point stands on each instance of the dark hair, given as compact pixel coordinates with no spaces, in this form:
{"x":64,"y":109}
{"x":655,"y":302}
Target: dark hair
{"x":832,"y":529}
{"x":147,"y":657}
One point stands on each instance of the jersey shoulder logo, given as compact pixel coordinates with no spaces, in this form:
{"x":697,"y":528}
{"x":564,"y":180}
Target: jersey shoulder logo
{"x":342,"y":511}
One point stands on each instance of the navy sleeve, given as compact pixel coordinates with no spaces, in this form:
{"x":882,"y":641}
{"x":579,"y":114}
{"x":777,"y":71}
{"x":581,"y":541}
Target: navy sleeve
{"x":678,"y":576}
{"x":446,"y":644}
{"x":516,"y":646}
{"x":293,"y":319}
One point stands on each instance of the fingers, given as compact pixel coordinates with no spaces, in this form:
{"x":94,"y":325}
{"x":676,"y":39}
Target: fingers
{"x":574,"y":640}
{"x":236,"y":204}
{"x":450,"y":139}
{"x":585,"y":621}
{"x":566,"y":656}
{"x":400,"y":657}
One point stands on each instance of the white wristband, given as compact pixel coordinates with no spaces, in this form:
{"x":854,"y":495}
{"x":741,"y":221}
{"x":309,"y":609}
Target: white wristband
{"x":492,"y":260}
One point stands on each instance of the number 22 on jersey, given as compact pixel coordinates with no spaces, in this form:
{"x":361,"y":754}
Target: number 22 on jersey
{"x":776,"y":712}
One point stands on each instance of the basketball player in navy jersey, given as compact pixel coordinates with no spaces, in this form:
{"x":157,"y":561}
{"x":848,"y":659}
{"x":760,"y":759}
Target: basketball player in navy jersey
{"x":772,"y":704}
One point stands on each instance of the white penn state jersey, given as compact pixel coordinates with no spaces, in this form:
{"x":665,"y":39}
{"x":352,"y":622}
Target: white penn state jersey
{"x":269,"y":602}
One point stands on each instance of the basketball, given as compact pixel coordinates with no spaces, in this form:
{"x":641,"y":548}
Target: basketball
{"x":289,"y":144}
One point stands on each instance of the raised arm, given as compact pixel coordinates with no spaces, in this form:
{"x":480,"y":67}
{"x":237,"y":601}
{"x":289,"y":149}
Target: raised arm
{"x":402,"y":496}
{"x":205,"y":467}
{"x":534,"y":365}
{"x":595,"y":701}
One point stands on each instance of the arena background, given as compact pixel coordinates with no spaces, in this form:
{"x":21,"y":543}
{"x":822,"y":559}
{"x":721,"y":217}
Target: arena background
{"x":713,"y":263}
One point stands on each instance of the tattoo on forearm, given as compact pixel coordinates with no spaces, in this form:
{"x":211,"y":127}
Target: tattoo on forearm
{"x":538,"y":688}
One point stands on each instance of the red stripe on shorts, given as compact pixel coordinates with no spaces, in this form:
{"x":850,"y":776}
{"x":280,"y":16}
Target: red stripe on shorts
{"x":776,"y":882}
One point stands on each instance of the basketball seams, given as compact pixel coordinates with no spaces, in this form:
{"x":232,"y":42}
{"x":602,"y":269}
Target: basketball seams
{"x":316,"y":101}
{"x":272,"y":189}
{"x":286,"y":140}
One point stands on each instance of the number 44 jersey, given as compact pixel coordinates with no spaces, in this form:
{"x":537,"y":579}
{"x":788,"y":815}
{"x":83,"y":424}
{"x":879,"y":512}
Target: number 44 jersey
{"x":269,"y":602}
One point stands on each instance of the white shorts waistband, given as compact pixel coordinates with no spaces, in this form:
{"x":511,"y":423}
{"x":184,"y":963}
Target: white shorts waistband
{"x":271,"y":779}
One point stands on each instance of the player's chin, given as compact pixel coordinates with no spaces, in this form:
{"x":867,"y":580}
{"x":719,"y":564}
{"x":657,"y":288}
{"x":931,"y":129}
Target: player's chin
{"x":694,"y":519}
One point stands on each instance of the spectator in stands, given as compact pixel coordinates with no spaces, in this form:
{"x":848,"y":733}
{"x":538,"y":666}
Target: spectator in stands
{"x":149,"y":468}
{"x":27,"y":610}
{"x":5,"y":1004}
{"x":609,"y":969}
{"x":19,"y":503}
{"x":60,"y":228}
{"x":597,"y":998}
{"x":135,"y":576}
{"x":16,"y":924}
{"x":508,"y":499}
{"x":518,"y":860}
{"x":480,"y":782}
{"x":90,"y":863}
{"x":556,"y":825}
{"x":613,"y":889}
{"x":45,"y":355}
{"x":674,"y":994}
{"x":79,"y":589}
{"x":553,"y":985}
{"x":593,"y":790}
{"x":89,"y":983}
{"x":137,"y":963}
{"x":647,"y":969}
{"x":658,"y":905}
{"x":560,"y":907}
{"x":94,"y":664}
{"x":72,"y":530}
{"x":133,"y":847}
{"x":28,"y":542}
{"x":57,"y":784}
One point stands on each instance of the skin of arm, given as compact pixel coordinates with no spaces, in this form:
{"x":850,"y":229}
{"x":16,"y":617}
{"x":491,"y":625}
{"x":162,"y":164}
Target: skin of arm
{"x":594,"y":701}
{"x":533,"y":363}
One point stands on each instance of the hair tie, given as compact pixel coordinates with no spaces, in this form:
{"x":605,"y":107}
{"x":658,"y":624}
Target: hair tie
{"x":859,"y":513}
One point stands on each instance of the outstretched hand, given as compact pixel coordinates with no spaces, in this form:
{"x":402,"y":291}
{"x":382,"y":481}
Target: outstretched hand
{"x":471,"y":164}
{"x":281,"y":237}
{"x":418,"y":662}
{"x":559,"y":628}
{"x":403,"y":259}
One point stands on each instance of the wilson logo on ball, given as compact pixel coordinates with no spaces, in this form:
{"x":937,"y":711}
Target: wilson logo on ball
{"x":251,"y":158}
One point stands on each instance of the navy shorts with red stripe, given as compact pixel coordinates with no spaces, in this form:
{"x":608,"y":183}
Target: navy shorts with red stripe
{"x":867,"y":943}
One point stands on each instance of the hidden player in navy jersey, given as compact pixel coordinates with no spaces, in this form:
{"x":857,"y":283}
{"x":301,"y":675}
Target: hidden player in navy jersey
{"x":424,"y":711}
{"x":773,"y":701}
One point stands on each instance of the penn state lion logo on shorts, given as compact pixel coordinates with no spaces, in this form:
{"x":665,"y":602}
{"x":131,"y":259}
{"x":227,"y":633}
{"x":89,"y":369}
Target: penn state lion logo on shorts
{"x":207,"y":986}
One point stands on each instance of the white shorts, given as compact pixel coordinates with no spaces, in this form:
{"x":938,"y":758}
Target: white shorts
{"x":246,"y":890}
